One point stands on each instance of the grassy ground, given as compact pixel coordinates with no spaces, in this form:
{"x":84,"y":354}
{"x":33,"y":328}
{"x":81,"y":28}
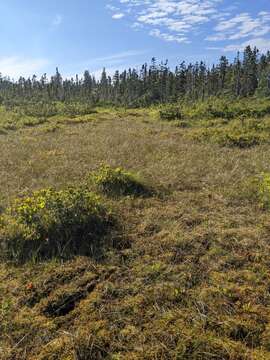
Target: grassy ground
{"x":187,"y":276}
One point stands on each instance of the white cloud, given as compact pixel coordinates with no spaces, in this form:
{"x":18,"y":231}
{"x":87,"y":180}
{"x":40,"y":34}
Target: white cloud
{"x":118,"y":16}
{"x":14,"y":66}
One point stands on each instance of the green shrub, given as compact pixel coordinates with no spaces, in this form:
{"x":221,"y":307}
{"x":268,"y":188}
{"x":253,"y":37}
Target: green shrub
{"x":257,"y":190}
{"x":225,"y":108}
{"x":242,"y":140}
{"x":264,"y":190}
{"x":53,"y":224}
{"x":171,"y":112}
{"x":183,"y":124}
{"x":34,"y":121}
{"x":220,"y":112}
{"x":230,"y":137}
{"x":74,"y":109}
{"x":39,"y":109}
{"x":117,"y":181}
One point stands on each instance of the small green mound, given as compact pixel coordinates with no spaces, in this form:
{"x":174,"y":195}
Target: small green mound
{"x":117,"y":182}
{"x":53,"y":224}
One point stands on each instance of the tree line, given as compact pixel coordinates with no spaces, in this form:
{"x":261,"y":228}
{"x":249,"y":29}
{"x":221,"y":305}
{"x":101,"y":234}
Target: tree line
{"x":154,"y":83}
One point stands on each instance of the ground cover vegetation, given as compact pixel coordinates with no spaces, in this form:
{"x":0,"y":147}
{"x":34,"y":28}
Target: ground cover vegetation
{"x":135,"y":233}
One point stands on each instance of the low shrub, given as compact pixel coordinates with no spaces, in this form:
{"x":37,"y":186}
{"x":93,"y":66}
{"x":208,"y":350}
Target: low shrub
{"x":225,"y":108}
{"x":117,"y":181}
{"x":34,"y":121}
{"x":256,"y":189}
{"x":75,"y":109}
{"x":170,"y":113}
{"x":53,"y":224}
{"x":39,"y":109}
{"x":242,"y":140}
{"x":263,"y":186}
{"x":219,"y":112}
{"x":183,"y":124}
{"x":229,"y":137}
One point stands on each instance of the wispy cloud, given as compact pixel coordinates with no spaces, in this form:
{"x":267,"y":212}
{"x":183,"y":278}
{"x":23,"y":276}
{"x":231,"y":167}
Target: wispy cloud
{"x":112,"y":62}
{"x":15,"y":66}
{"x":184,"y":21}
{"x":241,"y":26}
{"x":170,"y":20}
{"x":111,"y":70}
{"x":117,"y":57}
{"x":116,"y":12}
{"x":169,"y":37}
{"x":57,"y":20}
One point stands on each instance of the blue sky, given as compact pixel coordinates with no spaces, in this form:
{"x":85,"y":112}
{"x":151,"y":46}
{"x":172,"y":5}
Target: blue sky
{"x":37,"y":35}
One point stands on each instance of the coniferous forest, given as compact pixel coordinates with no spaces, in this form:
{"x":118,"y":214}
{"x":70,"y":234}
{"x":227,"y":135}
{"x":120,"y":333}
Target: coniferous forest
{"x":154,"y":83}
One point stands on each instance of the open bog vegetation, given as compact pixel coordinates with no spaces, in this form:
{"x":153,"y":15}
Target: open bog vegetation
{"x":135,"y":233}
{"x":14,"y":116}
{"x":234,"y":123}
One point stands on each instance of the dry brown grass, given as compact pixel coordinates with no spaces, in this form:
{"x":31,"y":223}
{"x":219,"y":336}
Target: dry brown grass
{"x":190,"y":281}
